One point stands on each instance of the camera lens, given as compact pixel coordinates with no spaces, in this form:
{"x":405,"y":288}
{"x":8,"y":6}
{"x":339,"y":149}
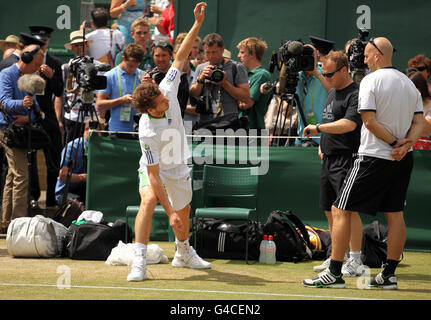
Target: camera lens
{"x":217,"y":75}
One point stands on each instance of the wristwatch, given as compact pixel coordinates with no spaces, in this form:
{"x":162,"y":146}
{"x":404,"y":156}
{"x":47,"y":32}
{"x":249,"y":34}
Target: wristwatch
{"x":394,"y":143}
{"x":317,"y":128}
{"x":200,"y":81}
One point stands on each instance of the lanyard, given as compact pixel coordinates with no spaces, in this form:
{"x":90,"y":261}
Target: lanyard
{"x":312,"y":94}
{"x":119,"y":82}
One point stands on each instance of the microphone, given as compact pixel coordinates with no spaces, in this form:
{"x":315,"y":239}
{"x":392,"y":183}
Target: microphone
{"x":32,"y":84}
{"x":295,"y":47}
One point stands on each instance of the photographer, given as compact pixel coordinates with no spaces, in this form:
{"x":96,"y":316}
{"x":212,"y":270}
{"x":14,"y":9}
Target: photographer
{"x":16,"y":104}
{"x":75,"y":164}
{"x":223,"y":92}
{"x":312,"y":90}
{"x":73,"y":119}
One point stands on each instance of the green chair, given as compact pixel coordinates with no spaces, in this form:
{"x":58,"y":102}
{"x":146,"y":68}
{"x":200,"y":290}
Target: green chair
{"x":229,"y":193}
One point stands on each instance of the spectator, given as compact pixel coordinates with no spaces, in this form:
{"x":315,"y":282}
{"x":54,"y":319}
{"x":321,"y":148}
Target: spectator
{"x":418,"y":79}
{"x":50,"y":70}
{"x":126,"y":12}
{"x":16,"y":104}
{"x":157,"y":10}
{"x":165,"y":25}
{"x":162,"y":54}
{"x":251,"y":52}
{"x":140,"y":31}
{"x":106,"y":42}
{"x":224,"y":95}
{"x":422,"y":64}
{"x":7,"y":44}
{"x":117,"y":97}
{"x":281,"y":119}
{"x":76,"y":151}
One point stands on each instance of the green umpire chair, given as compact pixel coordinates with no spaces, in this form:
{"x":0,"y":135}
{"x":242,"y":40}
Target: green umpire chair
{"x":229,"y":193}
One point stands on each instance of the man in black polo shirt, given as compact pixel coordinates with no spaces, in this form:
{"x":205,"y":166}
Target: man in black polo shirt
{"x":339,"y":143}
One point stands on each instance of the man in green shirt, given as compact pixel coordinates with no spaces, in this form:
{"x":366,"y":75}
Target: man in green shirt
{"x":251,"y":52}
{"x":140,"y":31}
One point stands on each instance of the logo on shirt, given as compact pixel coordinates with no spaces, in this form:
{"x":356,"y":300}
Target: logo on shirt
{"x":327,"y":112}
{"x":172,"y":74}
{"x":148,"y":154}
{"x":169,"y":121}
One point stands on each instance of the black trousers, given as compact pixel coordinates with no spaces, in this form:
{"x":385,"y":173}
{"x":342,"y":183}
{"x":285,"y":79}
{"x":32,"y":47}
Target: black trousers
{"x":53,"y":159}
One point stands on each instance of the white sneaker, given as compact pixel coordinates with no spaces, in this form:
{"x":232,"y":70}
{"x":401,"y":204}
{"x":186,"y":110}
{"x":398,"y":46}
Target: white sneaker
{"x":190,"y":260}
{"x":323,"y":266}
{"x":139,"y":269}
{"x":352,"y":268}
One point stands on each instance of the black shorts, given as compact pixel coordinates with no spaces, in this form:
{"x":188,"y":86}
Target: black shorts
{"x":334,"y":170}
{"x":376,"y":185}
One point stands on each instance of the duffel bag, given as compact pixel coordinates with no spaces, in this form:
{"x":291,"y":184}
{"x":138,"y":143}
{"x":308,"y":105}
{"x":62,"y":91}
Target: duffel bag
{"x":94,"y":241}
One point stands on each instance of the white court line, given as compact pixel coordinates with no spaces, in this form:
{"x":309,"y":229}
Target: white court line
{"x":190,"y":290}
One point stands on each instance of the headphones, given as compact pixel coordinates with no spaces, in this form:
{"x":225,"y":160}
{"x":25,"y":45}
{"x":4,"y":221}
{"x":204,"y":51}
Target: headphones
{"x":27,"y":57}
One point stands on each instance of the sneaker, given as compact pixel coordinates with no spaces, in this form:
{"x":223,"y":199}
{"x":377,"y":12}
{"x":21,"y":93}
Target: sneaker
{"x":190,"y":260}
{"x":139,"y":269}
{"x":323,"y":266}
{"x":380,"y":281}
{"x":325,"y":279}
{"x":352,"y":268}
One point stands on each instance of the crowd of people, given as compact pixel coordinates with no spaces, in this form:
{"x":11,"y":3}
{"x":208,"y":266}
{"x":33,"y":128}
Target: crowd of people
{"x":209,"y":86}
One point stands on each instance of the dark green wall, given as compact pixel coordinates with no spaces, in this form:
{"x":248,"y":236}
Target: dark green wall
{"x":403,"y":22}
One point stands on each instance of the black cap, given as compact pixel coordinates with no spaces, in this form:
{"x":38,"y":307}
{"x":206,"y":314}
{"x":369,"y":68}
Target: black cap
{"x":27,"y":39}
{"x":41,"y":32}
{"x":323,"y":45}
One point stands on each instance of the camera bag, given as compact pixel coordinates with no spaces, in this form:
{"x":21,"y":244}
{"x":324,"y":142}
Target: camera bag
{"x":291,"y":245}
{"x":94,"y":241}
{"x":69,"y":211}
{"x":218,"y":239}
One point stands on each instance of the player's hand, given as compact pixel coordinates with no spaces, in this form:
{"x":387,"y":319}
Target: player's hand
{"x":199,"y":12}
{"x":309,"y":131}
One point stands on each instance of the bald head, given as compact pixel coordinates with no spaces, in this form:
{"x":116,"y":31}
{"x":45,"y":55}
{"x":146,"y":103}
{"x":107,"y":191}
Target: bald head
{"x":378,"y":53}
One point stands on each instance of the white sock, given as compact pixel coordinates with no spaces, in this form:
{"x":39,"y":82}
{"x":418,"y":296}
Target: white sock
{"x":140,"y":249}
{"x":182,"y":246}
{"x":355,"y":255}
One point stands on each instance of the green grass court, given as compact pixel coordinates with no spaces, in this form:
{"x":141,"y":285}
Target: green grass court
{"x":46,"y":279}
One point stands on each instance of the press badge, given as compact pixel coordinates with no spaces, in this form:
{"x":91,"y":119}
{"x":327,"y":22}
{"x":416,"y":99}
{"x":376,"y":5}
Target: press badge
{"x":125,"y":113}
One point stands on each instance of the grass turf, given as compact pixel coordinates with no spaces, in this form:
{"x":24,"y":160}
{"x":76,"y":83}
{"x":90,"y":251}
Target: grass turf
{"x":37,"y":279}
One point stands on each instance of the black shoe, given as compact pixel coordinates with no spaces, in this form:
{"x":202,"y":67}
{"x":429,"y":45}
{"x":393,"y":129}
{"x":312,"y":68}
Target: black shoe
{"x":382,"y":282}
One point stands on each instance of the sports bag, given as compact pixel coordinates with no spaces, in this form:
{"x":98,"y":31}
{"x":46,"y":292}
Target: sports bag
{"x":94,"y":241}
{"x":291,"y":245}
{"x":374,"y":244}
{"x":69,"y":211}
{"x":37,"y":236}
{"x":321,"y":240}
{"x":217,"y":239}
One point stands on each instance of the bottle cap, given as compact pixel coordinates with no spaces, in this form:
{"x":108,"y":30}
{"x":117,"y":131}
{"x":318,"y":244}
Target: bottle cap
{"x":265,"y":237}
{"x":271,"y":238}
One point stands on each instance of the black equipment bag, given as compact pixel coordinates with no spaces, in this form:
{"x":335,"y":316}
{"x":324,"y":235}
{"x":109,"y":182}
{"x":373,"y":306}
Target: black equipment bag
{"x":95,"y":241}
{"x":290,"y":245}
{"x":16,"y":136}
{"x":217,"y":239}
{"x":374,"y":245}
{"x":69,"y":211}
{"x":228,"y":121}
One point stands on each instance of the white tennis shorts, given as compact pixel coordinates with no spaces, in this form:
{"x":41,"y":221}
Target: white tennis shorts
{"x":177,"y":183}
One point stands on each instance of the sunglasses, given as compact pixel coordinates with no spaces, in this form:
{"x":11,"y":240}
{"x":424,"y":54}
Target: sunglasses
{"x":162,"y":44}
{"x":422,"y":68}
{"x":374,"y":45}
{"x":331,"y":74}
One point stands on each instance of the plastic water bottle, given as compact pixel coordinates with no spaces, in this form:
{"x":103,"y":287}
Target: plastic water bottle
{"x":270,"y":251}
{"x":263,"y":245}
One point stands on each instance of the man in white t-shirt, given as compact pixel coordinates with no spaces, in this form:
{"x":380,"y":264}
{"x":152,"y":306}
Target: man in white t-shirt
{"x":392,"y":113}
{"x":163,"y":172}
{"x":106,"y":42}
